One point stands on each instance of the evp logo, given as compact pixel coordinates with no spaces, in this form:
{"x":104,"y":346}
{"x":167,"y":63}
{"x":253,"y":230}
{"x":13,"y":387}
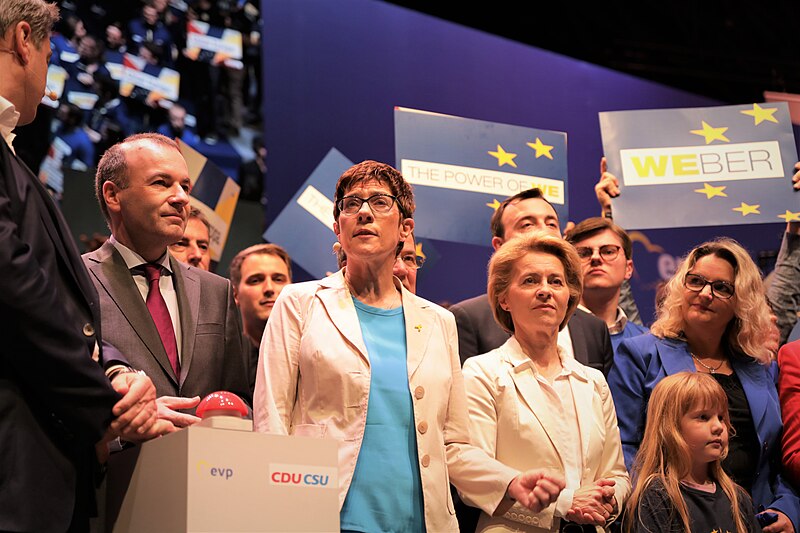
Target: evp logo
{"x":302,"y":476}
{"x":214,"y":471}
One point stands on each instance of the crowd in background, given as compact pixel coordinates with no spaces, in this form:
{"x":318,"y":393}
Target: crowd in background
{"x":215,"y":102}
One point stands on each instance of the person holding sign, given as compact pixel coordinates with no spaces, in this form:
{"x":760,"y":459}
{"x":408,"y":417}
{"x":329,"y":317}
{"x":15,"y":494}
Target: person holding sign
{"x":357,"y":357}
{"x":715,"y":319}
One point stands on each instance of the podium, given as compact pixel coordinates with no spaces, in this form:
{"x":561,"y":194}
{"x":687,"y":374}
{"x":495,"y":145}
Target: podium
{"x":207,"y":479}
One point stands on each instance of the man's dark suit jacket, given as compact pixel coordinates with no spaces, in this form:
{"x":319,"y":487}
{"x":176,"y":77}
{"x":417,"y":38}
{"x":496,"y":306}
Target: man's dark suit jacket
{"x":55,"y":401}
{"x":479,"y":333}
{"x":213,"y":355}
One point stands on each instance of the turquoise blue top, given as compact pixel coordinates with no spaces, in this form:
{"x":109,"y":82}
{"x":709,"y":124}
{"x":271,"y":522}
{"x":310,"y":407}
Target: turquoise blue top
{"x":386,"y":491}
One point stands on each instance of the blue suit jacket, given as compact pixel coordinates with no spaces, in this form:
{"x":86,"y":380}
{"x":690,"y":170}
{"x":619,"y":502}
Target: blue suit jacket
{"x":641,"y":362}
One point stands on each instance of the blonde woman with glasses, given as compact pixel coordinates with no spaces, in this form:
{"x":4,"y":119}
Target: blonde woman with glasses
{"x":715,"y":319}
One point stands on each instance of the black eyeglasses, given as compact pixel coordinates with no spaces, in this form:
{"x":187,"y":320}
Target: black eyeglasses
{"x":720,"y":289}
{"x":378,"y":203}
{"x":608,"y":252}
{"x":412,"y":260}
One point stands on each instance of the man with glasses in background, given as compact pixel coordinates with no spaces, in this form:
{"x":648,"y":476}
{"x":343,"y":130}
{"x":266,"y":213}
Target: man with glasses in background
{"x":606,"y":254}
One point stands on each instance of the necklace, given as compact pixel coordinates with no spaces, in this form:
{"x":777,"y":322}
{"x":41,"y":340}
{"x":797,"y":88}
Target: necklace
{"x":711,"y":369}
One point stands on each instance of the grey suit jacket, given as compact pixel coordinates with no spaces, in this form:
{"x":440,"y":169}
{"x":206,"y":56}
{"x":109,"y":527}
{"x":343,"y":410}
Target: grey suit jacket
{"x":479,"y":333}
{"x":213,"y":355}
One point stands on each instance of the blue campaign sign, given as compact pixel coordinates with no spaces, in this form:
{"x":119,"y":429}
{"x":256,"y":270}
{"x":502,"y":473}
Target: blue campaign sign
{"x":461,"y":169}
{"x":705,"y":166}
{"x":305,"y":226}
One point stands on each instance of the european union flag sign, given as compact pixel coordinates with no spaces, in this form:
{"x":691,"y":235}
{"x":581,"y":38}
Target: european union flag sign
{"x":305,"y":226}
{"x":706,"y":166}
{"x":461,"y":170}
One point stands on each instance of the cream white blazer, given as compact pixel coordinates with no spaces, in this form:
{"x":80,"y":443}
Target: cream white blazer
{"x":313,"y":379}
{"x":508,"y":420}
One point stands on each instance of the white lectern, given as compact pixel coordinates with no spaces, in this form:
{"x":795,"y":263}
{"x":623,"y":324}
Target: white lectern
{"x":208,"y":479}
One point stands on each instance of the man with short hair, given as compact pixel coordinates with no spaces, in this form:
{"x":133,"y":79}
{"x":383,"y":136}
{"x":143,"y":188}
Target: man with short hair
{"x":585,"y":337}
{"x":58,"y":408}
{"x":193,"y":248}
{"x":407,"y":264}
{"x":606,"y":253}
{"x":176,"y":322}
{"x":258,"y":275}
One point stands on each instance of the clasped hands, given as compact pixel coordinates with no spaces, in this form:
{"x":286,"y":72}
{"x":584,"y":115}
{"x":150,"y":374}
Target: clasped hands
{"x":136,"y":417}
{"x":593,"y":504}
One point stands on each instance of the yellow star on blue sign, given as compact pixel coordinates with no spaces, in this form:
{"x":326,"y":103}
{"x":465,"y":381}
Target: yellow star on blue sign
{"x":711,"y":191}
{"x":711,"y":134}
{"x":541,"y":149}
{"x":747,"y":209}
{"x":503,"y":157}
{"x":760,"y":114}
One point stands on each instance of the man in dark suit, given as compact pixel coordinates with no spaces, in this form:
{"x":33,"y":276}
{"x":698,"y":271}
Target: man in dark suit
{"x":191,"y":344}
{"x":58,"y":406}
{"x":585,"y":337}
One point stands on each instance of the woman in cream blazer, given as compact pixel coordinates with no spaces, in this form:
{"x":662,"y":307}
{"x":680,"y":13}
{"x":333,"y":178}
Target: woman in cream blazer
{"x":530,"y":406}
{"x":316,"y":374}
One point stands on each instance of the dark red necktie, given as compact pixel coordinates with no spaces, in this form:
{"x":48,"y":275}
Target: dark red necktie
{"x":158,"y":310}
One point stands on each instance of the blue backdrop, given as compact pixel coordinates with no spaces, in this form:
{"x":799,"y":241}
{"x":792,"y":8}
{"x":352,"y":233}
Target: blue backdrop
{"x":334,"y":71}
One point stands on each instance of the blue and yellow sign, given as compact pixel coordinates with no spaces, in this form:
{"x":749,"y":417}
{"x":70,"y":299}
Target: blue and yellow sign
{"x":707,"y":166}
{"x":461,"y":170}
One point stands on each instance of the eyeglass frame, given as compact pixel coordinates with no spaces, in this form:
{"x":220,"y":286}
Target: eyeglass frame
{"x":599,"y":249}
{"x":340,"y":204}
{"x":710,"y":283}
{"x":418,"y":261}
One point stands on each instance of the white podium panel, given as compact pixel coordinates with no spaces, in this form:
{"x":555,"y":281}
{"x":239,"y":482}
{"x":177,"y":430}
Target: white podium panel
{"x":202,"y":479}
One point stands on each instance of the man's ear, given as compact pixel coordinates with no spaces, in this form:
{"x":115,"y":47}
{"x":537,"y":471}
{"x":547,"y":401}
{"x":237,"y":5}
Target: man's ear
{"x":111,"y":196}
{"x":497,"y":242}
{"x":336,"y":229}
{"x":628,"y":268}
{"x":22,"y":41}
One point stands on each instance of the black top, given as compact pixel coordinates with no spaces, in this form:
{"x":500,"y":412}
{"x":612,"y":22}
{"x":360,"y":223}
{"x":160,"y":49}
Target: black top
{"x":708,"y":512}
{"x":743,"y":448}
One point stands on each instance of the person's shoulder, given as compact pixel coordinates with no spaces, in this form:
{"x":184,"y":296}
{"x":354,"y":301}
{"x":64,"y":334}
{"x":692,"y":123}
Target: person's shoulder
{"x":484,"y":362}
{"x":476,"y":302}
{"x":638,"y":329}
{"x":204,"y":276}
{"x":422,"y":303}
{"x":645,"y":340}
{"x":584,"y":319}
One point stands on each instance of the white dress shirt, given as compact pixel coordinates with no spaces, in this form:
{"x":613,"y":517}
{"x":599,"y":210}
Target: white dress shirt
{"x":9,"y":117}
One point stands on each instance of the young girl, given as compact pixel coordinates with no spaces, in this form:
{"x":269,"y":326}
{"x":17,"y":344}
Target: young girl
{"x":679,"y":482}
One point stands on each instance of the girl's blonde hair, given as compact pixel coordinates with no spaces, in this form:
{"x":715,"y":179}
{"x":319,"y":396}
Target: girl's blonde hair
{"x":664,"y":455}
{"x":750,"y":328}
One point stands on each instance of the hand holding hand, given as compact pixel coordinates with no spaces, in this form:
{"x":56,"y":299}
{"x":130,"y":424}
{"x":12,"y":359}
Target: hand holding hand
{"x":593,"y":504}
{"x":536,"y":488}
{"x":136,"y":412}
